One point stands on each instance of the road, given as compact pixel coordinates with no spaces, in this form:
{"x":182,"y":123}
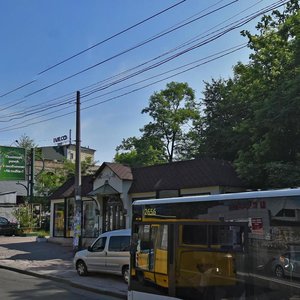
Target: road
{"x":17,"y":286}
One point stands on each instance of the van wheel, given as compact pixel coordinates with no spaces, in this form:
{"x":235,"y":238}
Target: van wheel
{"x":81,"y":268}
{"x":125,"y":273}
{"x":279,"y":272}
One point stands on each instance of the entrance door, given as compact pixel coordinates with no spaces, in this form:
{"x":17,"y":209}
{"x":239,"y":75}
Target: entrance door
{"x":113,"y":213}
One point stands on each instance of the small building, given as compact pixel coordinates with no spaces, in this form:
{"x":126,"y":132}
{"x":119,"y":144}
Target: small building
{"x":108,"y":194}
{"x":67,"y":151}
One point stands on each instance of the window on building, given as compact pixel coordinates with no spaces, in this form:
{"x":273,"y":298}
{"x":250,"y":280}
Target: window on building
{"x":70,"y":217}
{"x":59,"y":219}
{"x":90,"y":219}
{"x":113,"y":213}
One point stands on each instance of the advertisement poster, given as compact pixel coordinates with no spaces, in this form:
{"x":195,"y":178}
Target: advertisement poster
{"x":257,"y":225}
{"x":12,"y":163}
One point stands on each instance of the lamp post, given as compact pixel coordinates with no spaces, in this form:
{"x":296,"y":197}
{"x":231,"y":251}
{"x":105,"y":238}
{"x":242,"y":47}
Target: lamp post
{"x":26,"y":187}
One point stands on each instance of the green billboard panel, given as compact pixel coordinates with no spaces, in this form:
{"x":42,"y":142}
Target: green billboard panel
{"x":12,"y":163}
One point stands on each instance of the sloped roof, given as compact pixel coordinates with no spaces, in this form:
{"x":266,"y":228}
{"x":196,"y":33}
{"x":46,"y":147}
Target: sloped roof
{"x":67,"y":189}
{"x":184,"y":174}
{"x":122,"y":171}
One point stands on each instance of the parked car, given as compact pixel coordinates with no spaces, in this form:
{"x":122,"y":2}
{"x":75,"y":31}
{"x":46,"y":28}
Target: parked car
{"x":287,"y":264}
{"x":109,"y":253}
{"x":7,"y":227}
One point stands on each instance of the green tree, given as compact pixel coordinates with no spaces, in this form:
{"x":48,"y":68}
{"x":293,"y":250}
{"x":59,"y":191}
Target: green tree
{"x":172,"y":111}
{"x":142,"y":151}
{"x":48,"y":181}
{"x":252,"y":119}
{"x":24,"y":216}
{"x":26,"y":142}
{"x":272,"y":156}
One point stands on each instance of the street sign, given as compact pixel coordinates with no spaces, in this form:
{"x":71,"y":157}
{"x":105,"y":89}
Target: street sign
{"x":12,"y":163}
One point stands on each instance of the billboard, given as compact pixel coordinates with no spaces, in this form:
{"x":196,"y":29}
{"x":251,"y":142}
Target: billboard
{"x":12,"y":163}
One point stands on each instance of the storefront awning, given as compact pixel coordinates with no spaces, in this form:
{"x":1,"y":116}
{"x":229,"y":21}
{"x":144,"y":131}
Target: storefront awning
{"x":105,"y":189}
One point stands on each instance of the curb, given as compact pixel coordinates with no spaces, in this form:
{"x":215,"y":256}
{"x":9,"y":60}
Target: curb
{"x":66,"y":281}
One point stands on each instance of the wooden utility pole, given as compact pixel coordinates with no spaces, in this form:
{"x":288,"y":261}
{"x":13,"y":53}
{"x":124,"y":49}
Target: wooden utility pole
{"x":77,"y":240}
{"x":32,"y":173}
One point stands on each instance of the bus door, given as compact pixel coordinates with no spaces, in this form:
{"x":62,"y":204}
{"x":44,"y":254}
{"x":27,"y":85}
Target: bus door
{"x":151,"y":254}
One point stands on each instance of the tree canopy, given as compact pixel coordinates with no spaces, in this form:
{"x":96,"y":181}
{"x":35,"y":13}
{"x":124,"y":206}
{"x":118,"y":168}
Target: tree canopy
{"x":251,"y":119}
{"x":162,"y":139}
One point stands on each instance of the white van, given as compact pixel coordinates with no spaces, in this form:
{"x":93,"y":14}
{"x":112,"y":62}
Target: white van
{"x":109,"y":253}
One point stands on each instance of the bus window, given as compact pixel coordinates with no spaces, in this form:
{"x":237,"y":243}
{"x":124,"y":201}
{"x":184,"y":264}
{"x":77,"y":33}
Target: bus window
{"x":195,"y":235}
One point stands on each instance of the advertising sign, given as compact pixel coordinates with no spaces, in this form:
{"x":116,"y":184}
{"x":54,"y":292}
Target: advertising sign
{"x":60,"y":139}
{"x":12,"y":163}
{"x":257,"y":225}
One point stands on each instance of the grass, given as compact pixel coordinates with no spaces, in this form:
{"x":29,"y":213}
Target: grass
{"x":38,"y":233}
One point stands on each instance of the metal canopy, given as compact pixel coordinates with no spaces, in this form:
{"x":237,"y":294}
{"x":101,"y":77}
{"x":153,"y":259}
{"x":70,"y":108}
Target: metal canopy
{"x":105,"y":189}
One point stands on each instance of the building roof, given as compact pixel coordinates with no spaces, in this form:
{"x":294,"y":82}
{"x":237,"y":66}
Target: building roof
{"x":184,"y":174}
{"x":122,"y":171}
{"x":67,"y":189}
{"x":59,"y":152}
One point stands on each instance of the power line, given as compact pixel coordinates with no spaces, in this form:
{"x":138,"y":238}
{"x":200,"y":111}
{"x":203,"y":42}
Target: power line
{"x":127,"y":50}
{"x":239,"y":23}
{"x":13,"y":127}
{"x":182,"y":24}
{"x":244,"y":20}
{"x":40,"y":107}
{"x":93,"y":46}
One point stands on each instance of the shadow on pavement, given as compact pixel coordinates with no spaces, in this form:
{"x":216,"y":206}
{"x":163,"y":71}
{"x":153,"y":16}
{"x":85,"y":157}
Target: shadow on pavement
{"x":36,"y":251}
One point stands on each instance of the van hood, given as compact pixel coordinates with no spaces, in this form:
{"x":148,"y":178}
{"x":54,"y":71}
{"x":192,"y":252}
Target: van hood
{"x":81,"y":253}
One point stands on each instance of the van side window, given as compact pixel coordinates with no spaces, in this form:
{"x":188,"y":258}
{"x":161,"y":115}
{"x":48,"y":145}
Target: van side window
{"x":119,"y":243}
{"x":99,"y":245}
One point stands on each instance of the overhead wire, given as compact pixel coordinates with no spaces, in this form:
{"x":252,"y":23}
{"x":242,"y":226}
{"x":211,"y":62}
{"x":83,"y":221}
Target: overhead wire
{"x":153,"y":66}
{"x":125,"y":51}
{"x":222,"y":54}
{"x":183,"y":23}
{"x":93,"y":46}
{"x":72,"y":99}
{"x":169,"y":30}
{"x":87,"y":95}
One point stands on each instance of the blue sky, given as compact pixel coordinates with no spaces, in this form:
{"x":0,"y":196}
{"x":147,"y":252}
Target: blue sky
{"x":38,"y":34}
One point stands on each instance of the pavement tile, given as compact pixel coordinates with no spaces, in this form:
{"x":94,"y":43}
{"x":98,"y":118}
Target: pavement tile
{"x":55,"y":262}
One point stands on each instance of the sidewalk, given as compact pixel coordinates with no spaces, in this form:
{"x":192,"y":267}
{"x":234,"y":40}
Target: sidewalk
{"x":55,"y":262}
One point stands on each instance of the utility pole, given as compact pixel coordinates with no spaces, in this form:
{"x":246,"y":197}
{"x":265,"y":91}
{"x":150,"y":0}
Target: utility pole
{"x":32,"y":175}
{"x":77,"y":240}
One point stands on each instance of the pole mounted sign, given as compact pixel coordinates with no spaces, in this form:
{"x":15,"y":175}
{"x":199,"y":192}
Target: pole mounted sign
{"x":12,"y":163}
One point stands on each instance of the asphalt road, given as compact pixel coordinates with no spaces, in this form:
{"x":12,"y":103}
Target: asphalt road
{"x":15,"y":286}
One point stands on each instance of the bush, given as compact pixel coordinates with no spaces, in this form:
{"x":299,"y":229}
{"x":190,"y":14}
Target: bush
{"x":24,"y":216}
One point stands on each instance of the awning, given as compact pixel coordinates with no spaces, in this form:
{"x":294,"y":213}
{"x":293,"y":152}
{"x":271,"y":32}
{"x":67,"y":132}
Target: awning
{"x":105,"y":189}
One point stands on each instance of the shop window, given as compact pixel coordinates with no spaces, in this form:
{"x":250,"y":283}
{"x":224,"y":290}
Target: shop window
{"x":59,"y":219}
{"x":113,"y":213}
{"x":90,"y":219}
{"x":70,"y":217}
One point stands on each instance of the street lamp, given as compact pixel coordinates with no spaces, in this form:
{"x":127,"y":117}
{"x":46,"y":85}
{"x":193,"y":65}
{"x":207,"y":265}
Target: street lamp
{"x":27,"y":189}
